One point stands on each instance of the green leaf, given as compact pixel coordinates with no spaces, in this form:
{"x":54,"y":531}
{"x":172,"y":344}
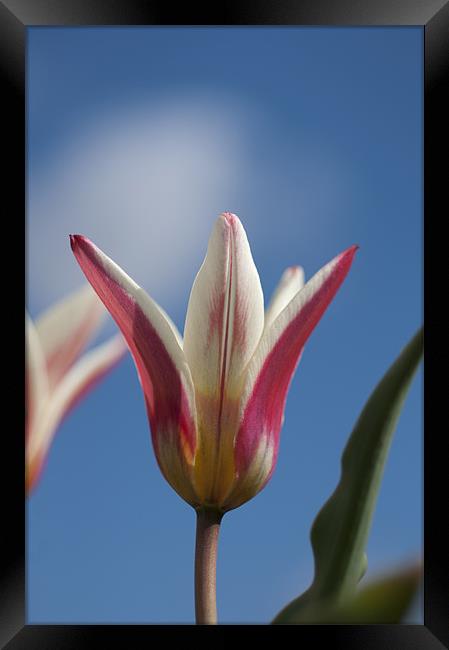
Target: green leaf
{"x":340,"y":531}
{"x":385,"y":600}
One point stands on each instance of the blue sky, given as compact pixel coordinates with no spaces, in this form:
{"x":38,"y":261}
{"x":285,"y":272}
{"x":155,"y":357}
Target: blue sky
{"x":138,"y":138}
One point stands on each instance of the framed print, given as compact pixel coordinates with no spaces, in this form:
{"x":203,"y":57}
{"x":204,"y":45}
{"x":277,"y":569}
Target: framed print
{"x":203,"y":193}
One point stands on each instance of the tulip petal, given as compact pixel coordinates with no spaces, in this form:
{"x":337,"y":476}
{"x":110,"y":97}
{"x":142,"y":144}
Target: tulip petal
{"x":80,"y":379}
{"x":36,"y":380}
{"x":162,"y":368}
{"x":172,"y":326}
{"x":292,"y":280}
{"x":65,"y":329}
{"x":273,"y":364}
{"x":225,"y":314}
{"x":224,"y":322}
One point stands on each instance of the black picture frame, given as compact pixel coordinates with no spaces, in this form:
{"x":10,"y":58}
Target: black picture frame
{"x":433,"y":16}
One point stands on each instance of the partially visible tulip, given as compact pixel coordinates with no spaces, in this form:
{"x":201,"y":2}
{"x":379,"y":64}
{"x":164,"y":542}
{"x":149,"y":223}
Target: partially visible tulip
{"x":56,"y":375}
{"x":216,"y":399}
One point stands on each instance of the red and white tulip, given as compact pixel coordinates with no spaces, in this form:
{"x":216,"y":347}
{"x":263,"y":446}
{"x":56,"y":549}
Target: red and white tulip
{"x":57,"y":376}
{"x":215,"y":398}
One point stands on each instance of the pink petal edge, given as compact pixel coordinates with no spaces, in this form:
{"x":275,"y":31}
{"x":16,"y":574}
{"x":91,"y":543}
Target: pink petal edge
{"x":264,"y":407}
{"x":161,"y":366}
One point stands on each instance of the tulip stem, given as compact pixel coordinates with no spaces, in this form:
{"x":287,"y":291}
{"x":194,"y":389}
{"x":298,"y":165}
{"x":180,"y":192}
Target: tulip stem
{"x":207,"y":530}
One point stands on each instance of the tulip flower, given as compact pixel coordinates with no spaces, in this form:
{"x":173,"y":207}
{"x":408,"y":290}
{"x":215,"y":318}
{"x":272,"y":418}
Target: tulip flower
{"x":56,"y":376}
{"x":215,"y":399}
